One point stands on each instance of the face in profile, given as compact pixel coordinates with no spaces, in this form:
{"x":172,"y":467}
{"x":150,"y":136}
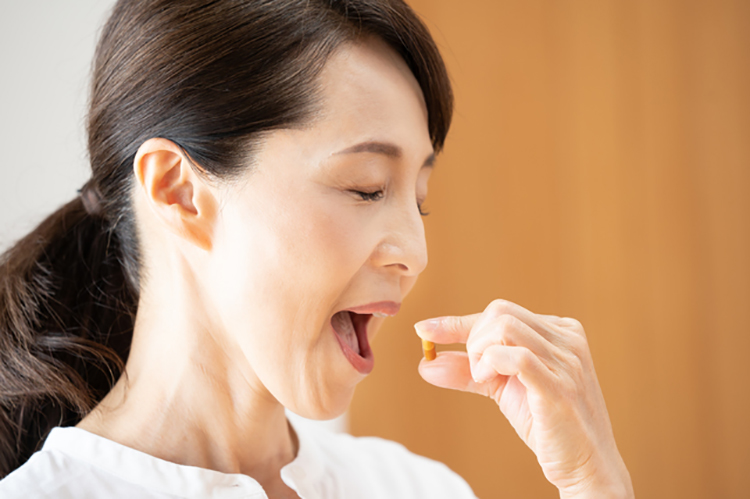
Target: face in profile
{"x":327,"y":220}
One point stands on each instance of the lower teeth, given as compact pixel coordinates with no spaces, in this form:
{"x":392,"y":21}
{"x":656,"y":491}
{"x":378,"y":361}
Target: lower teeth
{"x":342,"y":324}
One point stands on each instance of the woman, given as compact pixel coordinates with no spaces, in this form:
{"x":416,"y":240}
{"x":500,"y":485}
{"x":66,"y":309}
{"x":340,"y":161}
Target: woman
{"x":253,"y":216}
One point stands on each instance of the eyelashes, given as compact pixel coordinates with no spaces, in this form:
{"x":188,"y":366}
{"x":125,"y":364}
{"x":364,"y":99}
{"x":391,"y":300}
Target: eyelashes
{"x":370,"y":196}
{"x":378,"y":195}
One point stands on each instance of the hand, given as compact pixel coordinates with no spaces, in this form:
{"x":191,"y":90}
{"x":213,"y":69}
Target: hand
{"x":539,"y":371}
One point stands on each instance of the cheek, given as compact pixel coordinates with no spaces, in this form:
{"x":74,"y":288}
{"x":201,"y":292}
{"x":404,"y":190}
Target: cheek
{"x":279,"y":274}
{"x":340,"y":240}
{"x":323,"y":236}
{"x":282,"y":267}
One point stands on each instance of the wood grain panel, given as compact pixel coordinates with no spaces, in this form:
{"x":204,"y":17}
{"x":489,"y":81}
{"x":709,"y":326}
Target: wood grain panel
{"x":598,"y":167}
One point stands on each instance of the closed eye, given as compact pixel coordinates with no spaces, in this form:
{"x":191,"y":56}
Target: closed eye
{"x":377,"y":195}
{"x":370,"y":196}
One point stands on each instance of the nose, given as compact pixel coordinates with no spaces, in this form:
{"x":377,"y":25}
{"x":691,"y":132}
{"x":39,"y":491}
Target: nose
{"x":403,"y":244}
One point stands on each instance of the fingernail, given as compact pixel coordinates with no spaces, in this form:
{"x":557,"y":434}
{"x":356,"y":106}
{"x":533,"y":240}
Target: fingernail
{"x":472,"y":368}
{"x":428,"y":325}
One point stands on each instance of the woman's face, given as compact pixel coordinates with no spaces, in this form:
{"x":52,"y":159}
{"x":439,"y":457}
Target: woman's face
{"x":297,"y":243}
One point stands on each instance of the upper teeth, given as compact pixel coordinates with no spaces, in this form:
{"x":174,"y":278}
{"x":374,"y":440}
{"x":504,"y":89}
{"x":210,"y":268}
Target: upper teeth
{"x":376,"y":314}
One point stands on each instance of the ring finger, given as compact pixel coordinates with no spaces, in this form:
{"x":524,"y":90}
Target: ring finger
{"x":509,"y":330}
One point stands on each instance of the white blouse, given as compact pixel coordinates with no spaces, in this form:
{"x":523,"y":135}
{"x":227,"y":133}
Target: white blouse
{"x":77,"y":464}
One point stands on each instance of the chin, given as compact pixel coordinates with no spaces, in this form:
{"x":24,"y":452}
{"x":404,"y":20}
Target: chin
{"x":334,"y":407}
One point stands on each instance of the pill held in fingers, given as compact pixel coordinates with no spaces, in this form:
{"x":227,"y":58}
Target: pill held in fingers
{"x":429,"y":350}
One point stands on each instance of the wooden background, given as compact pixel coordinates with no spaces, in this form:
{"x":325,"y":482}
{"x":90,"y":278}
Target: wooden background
{"x":598,"y":167}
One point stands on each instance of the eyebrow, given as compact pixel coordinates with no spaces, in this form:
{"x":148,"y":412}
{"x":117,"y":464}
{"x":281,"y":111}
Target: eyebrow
{"x":385,"y":148}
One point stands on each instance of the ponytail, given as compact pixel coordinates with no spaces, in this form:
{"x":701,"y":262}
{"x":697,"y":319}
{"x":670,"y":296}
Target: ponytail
{"x":66,"y":322}
{"x":212,"y":76}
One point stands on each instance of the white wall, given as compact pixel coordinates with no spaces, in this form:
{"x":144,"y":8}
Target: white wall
{"x":46,"y":49}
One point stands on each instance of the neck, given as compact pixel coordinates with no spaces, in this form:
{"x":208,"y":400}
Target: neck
{"x":188,"y":397}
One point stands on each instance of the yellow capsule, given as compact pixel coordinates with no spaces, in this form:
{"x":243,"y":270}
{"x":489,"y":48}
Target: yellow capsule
{"x":429,"y":350}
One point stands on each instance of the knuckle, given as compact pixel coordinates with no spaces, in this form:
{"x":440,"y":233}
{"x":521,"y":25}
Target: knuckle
{"x":573,"y":324}
{"x":578,"y":344}
{"x":584,"y":351}
{"x":508,"y":330}
{"x":569,"y":377}
{"x":525,"y":359}
{"x":491,"y":354}
{"x":498,"y":307}
{"x":507,"y":324}
{"x":499,"y":328}
{"x":573,"y":379}
{"x":575,"y":364}
{"x":474,"y":355}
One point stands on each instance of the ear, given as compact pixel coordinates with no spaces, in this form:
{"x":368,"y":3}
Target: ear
{"x":178,"y":197}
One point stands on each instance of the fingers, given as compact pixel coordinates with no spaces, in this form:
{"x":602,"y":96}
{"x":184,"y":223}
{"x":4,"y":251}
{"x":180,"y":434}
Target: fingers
{"x":512,"y":361}
{"x":451,"y":370}
{"x":539,"y":370}
{"x":446,"y":330}
{"x":498,"y":324}
{"x":511,"y":337}
{"x":508,"y":330}
{"x":459,"y":329}
{"x":499,"y":308}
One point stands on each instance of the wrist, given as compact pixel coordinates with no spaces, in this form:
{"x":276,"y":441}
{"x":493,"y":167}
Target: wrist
{"x":616,"y":486}
{"x":610,"y":491}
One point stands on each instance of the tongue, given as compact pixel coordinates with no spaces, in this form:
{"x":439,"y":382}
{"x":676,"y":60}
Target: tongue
{"x":342,"y":324}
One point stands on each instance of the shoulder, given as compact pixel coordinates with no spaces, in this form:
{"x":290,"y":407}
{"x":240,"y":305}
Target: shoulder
{"x":50,"y":474}
{"x":390,"y":467}
{"x":45,"y":474}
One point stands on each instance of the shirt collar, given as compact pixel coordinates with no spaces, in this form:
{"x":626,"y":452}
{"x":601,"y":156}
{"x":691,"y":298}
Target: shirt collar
{"x":187,"y":481}
{"x":307,"y":468}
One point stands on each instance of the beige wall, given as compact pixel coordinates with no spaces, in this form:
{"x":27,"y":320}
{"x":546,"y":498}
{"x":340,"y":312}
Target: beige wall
{"x":598,"y":167}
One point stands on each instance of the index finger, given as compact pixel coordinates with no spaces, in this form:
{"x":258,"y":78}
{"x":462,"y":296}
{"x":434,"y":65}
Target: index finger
{"x":457,"y":329}
{"x":447,"y":329}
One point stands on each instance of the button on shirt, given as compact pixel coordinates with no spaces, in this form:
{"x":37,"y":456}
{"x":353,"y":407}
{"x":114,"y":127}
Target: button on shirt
{"x":77,"y":464}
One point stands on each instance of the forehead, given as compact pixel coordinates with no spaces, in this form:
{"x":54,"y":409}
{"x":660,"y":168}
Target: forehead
{"x":369,"y":93}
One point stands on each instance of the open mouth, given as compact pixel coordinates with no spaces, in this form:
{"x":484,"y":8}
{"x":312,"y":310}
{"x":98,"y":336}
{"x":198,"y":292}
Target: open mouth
{"x":351,"y":331}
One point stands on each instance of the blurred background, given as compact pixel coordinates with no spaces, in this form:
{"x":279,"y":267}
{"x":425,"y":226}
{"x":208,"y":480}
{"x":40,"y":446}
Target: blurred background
{"x":598,"y":167}
{"x":46,"y":48}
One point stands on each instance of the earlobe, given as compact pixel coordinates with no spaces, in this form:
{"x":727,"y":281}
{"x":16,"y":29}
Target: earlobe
{"x":179,"y":198}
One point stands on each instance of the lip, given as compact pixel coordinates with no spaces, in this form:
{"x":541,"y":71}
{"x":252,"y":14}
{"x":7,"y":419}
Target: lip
{"x":363,"y":363}
{"x":380,"y":307}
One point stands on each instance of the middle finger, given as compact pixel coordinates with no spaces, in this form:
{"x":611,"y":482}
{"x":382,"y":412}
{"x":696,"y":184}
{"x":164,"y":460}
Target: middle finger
{"x":509,"y":330}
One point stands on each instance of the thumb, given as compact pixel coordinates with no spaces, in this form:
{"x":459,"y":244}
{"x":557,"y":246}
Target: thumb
{"x":451,"y":370}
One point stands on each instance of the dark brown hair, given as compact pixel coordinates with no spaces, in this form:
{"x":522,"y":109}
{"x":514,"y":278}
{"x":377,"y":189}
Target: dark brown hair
{"x":209,"y":75}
